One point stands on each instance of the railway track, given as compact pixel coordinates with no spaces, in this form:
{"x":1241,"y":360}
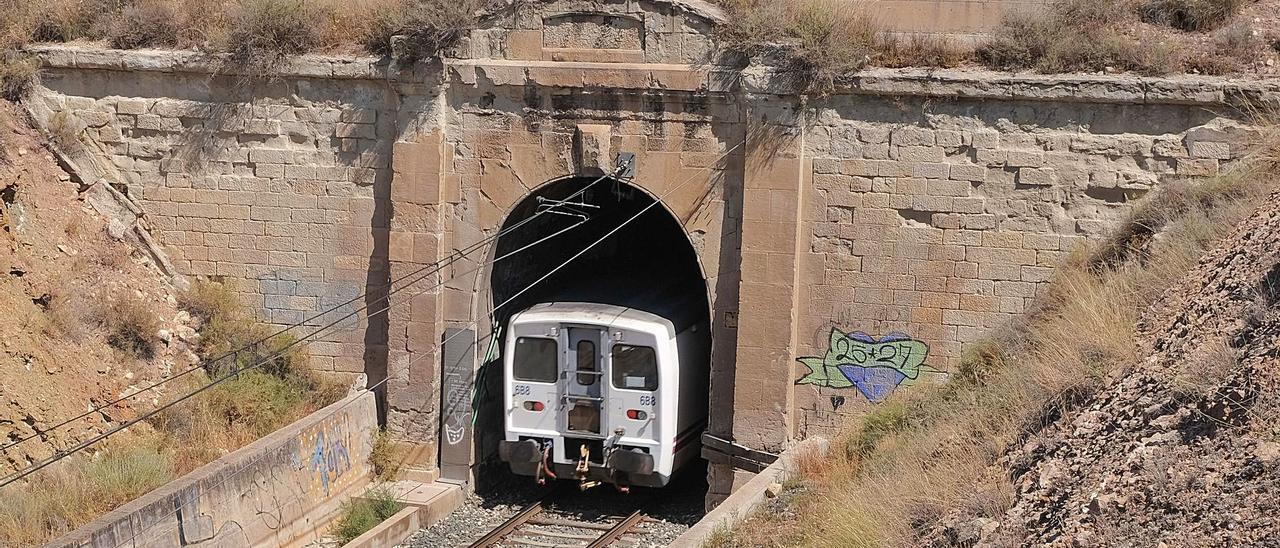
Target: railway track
{"x":538,"y":527}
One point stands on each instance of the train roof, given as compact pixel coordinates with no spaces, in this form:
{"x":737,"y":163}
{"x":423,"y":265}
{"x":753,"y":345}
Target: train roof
{"x":596,"y":313}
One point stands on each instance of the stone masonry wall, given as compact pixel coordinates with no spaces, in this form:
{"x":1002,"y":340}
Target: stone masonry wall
{"x":941,"y":220}
{"x":880,"y":228}
{"x":272,"y":186}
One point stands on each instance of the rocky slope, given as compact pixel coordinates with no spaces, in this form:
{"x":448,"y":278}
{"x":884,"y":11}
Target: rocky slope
{"x":66,"y":278}
{"x":1182,"y":449}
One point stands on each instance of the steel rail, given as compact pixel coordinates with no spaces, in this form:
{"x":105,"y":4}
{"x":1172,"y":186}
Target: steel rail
{"x":493,"y":537}
{"x":617,"y":531}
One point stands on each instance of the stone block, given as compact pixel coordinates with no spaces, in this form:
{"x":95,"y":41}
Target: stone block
{"x":911,"y":136}
{"x":262,"y":127}
{"x":985,"y":139}
{"x":928,"y":170}
{"x":1023,"y":158}
{"x":1045,"y":176}
{"x":949,"y":188}
{"x":524,"y":45}
{"x":347,"y":130}
{"x":359,"y":115}
{"x":948,"y":138}
{"x":1198,"y":167}
{"x":131,"y":106}
{"x":592,"y":148}
{"x":915,"y":154}
{"x":968,"y":172}
{"x":1209,"y":149}
{"x":873,"y":135}
{"x":269,"y":156}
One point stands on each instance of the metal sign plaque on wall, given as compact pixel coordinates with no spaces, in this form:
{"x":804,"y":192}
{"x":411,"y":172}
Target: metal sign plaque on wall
{"x":458,"y":378}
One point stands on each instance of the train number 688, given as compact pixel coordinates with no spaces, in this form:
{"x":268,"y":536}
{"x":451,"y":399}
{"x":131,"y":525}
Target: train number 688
{"x":648,"y":399}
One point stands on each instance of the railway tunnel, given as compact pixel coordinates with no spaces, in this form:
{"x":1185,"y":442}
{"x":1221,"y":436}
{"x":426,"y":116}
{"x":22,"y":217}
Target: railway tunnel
{"x":601,"y":241}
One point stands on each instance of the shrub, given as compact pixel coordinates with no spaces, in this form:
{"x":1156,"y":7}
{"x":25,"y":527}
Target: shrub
{"x":916,"y":50}
{"x":131,"y":327}
{"x":256,"y":401}
{"x":885,"y":419}
{"x":384,"y":456}
{"x":362,"y":514}
{"x":122,"y":475}
{"x":1073,"y":35}
{"x":145,"y":24}
{"x":17,"y":75}
{"x":1191,"y":15}
{"x":56,"y":500}
{"x":823,"y":39}
{"x":427,"y":27}
{"x":263,"y":34}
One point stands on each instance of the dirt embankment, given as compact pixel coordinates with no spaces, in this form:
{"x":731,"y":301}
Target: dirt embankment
{"x":84,"y":318}
{"x":1184,"y":448}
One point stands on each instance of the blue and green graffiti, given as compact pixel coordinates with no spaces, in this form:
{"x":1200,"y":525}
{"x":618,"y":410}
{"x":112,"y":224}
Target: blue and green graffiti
{"x":874,"y":367}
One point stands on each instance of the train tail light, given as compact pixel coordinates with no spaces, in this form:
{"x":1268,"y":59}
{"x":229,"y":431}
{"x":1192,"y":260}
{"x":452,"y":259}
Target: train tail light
{"x":534,"y":406}
{"x":637,"y":415}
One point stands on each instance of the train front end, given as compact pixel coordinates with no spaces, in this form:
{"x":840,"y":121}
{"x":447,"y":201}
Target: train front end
{"x":591,"y":395}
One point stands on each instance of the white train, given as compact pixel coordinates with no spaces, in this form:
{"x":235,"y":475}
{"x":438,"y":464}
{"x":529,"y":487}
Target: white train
{"x":602,"y":393}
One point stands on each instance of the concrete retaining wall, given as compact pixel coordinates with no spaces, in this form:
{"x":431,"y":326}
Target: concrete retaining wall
{"x":281,"y":490}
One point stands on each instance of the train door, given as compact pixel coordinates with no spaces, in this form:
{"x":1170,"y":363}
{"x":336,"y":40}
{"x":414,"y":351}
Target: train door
{"x":583,"y":385}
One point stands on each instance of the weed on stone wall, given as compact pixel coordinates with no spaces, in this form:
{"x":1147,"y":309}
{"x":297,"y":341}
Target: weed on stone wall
{"x":359,"y":515}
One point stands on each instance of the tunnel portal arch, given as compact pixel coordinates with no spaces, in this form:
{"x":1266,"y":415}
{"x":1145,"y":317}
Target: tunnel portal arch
{"x":650,"y":264}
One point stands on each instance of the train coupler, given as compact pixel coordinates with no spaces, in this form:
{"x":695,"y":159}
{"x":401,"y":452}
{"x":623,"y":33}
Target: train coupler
{"x":544,"y":466}
{"x":584,"y":468}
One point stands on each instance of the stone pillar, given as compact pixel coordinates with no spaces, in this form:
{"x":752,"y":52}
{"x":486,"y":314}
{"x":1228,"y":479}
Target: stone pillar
{"x":415,"y":327}
{"x":773,"y":183}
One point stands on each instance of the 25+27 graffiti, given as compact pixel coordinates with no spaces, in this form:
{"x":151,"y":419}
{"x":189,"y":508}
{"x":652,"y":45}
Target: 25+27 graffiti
{"x":874,"y":367}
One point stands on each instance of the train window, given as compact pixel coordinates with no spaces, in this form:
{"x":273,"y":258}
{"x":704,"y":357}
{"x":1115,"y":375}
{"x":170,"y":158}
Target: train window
{"x":535,"y":360}
{"x":586,"y":362}
{"x":635,"y":367}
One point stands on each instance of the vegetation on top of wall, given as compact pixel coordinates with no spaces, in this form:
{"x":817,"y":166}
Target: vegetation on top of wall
{"x":821,"y":39}
{"x":825,"y":39}
{"x":934,"y":449}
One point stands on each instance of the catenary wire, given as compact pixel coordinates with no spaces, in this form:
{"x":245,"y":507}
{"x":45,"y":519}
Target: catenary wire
{"x":234,"y":353}
{"x":471,"y":323}
{"x":83,"y":445}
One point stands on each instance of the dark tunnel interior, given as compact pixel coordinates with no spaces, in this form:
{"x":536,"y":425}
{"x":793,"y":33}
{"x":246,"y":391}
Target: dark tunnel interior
{"x":649,"y":264}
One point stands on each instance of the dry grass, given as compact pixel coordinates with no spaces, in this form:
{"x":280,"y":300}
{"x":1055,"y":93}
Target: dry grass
{"x":427,"y":27}
{"x":17,"y":74}
{"x":180,"y":439}
{"x":1099,"y":35}
{"x":130,"y":326}
{"x":821,"y":39}
{"x":385,"y":457}
{"x":932,"y":449}
{"x":264,"y":34}
{"x":57,"y":501}
{"x":1192,"y":14}
{"x":1073,"y":35}
{"x":921,"y":50}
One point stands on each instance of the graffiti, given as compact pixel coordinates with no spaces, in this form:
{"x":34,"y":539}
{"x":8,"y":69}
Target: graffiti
{"x":836,"y":403}
{"x":330,"y":457}
{"x":874,"y":367}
